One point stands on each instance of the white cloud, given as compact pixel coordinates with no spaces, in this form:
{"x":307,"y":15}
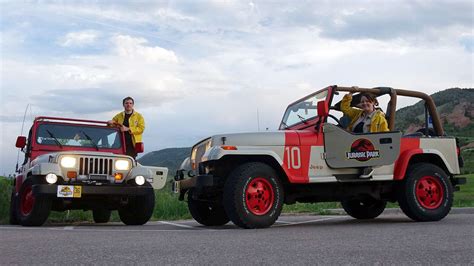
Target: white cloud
{"x":137,"y":49}
{"x":79,"y":38}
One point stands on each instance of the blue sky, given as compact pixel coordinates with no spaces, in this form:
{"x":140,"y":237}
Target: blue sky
{"x":197,"y":68}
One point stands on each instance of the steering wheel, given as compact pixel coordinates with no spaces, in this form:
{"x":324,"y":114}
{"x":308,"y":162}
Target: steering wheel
{"x":335,"y":119}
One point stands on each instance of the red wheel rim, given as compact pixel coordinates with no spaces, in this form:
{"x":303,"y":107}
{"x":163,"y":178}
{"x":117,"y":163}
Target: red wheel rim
{"x":429,"y":192}
{"x":259,"y":196}
{"x":27,"y":201}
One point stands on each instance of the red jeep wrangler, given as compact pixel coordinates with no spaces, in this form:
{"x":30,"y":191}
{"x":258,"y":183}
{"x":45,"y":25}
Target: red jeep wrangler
{"x":81,"y":164}
{"x":247,"y":177}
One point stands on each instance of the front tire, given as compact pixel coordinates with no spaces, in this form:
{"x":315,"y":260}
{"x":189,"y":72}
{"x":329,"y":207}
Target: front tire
{"x":367,"y":208}
{"x":31,"y":210}
{"x":426,"y":193}
{"x":13,"y":218}
{"x":138,"y":209}
{"x":101,"y":215}
{"x":206,"y":213}
{"x":253,"y":196}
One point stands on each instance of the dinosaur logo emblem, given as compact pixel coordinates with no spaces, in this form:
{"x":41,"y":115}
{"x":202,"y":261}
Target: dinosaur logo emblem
{"x":362,"y":150}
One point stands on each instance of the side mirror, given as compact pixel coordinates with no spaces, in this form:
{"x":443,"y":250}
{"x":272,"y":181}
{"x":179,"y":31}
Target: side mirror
{"x":323,"y":109}
{"x":139,"y":147}
{"x":20,"y":142}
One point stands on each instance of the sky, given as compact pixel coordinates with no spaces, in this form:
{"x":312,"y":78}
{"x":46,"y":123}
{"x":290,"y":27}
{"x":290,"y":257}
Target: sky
{"x":198,"y":68}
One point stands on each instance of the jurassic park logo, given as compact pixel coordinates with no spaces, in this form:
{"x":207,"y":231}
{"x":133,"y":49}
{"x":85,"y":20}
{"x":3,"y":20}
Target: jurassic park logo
{"x":362,"y":150}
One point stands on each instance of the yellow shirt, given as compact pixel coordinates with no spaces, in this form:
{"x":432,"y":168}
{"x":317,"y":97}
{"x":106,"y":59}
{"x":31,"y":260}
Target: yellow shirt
{"x":136,"y":124}
{"x":377,"y":124}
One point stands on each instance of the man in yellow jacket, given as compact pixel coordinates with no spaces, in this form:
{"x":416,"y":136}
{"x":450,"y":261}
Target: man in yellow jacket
{"x":131,"y":123}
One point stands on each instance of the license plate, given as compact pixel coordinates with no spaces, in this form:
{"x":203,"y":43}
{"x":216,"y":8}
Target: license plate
{"x":69,"y":191}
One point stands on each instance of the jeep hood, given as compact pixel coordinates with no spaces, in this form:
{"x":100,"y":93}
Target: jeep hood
{"x":267,"y":138}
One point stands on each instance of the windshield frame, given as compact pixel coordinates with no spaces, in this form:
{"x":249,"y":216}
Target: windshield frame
{"x":80,"y":127}
{"x":308,"y":120}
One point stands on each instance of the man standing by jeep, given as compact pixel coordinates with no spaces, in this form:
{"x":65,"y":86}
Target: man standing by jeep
{"x":131,"y":123}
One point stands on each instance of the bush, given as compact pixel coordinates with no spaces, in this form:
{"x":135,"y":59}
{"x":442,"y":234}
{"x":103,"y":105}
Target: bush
{"x":5,"y":190}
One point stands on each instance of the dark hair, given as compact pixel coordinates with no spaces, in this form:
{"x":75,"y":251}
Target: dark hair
{"x":371,"y":97}
{"x":127,"y":98}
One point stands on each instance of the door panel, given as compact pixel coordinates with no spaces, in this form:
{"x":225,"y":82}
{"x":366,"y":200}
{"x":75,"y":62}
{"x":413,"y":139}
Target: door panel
{"x":345,"y":149}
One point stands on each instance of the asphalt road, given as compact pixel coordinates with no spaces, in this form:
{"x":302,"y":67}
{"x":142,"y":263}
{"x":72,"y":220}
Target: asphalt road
{"x":390,"y":239}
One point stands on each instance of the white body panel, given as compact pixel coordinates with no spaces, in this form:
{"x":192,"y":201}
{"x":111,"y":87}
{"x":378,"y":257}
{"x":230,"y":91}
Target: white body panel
{"x":442,"y":147}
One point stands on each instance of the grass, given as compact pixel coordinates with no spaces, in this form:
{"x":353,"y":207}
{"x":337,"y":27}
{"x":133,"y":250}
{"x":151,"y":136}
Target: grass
{"x":5,"y":190}
{"x":465,"y":197}
{"x":167,"y":206}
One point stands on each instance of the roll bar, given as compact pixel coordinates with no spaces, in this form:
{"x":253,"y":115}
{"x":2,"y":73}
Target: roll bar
{"x":429,"y":103}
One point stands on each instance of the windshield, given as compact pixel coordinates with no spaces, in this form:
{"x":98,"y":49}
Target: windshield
{"x":78,"y":136}
{"x":302,"y":110}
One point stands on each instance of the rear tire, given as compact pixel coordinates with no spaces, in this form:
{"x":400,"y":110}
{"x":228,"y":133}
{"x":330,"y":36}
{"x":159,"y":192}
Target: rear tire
{"x":253,"y":196}
{"x":101,"y":215}
{"x":426,"y":193}
{"x":31,"y":210}
{"x":206,"y":213}
{"x":13,"y":218}
{"x":367,"y":208}
{"x":139,"y":209}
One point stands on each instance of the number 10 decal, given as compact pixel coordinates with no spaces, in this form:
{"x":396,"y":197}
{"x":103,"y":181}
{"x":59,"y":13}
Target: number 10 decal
{"x":294,"y":157}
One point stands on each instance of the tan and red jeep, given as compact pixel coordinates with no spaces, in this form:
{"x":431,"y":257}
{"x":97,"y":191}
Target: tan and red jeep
{"x":247,"y":177}
{"x":81,"y":164}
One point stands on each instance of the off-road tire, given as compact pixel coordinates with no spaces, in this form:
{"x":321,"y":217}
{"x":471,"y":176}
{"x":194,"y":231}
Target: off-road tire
{"x":425,"y":194}
{"x":13,"y":219}
{"x":206,"y":213}
{"x":36,"y":213}
{"x":367,"y":208}
{"x":138,"y":209}
{"x":237,"y":198}
{"x":101,"y":215}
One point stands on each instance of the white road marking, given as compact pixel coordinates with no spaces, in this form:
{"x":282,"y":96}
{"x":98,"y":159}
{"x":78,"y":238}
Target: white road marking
{"x":283,"y":222}
{"x":68,"y":228}
{"x":311,"y":221}
{"x":178,"y":225}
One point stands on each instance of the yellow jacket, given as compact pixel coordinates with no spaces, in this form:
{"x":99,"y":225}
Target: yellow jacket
{"x":377,"y":124}
{"x":136,"y":124}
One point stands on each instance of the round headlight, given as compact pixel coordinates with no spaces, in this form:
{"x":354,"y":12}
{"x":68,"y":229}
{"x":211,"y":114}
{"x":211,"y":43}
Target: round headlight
{"x":140,"y":180}
{"x":51,"y":178}
{"x":68,"y":162}
{"x":122,"y":165}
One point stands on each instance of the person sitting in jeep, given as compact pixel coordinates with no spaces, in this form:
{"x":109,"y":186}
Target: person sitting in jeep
{"x":368,"y":119}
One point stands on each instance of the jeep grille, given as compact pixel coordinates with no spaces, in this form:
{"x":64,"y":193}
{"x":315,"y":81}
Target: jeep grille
{"x":95,"y":165}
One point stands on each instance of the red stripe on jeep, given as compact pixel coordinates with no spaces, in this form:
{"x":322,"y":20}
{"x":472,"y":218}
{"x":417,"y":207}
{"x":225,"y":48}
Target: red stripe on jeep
{"x":408,"y":148}
{"x":292,"y":143}
{"x":297,"y":153}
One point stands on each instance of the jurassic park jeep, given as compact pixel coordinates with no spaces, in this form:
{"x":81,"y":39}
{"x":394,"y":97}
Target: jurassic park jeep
{"x":246,"y":178}
{"x":81,"y":164}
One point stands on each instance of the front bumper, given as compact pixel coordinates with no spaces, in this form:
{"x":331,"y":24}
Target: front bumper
{"x":88,"y":190}
{"x":198,"y":182}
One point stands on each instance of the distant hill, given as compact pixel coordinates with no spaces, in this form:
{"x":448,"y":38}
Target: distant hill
{"x":455,"y":106}
{"x":171,"y":158}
